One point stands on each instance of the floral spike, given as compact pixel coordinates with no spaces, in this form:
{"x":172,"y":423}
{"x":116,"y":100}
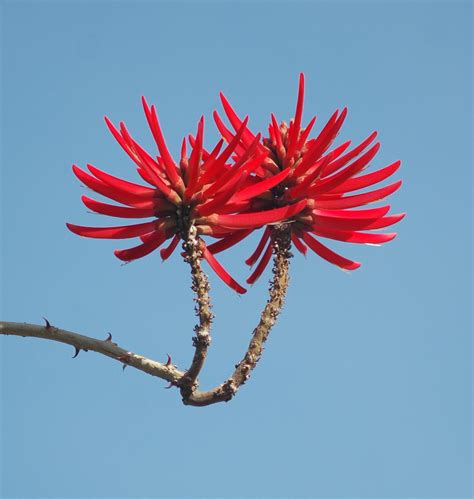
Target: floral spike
{"x":316,"y":175}
{"x":205,"y":181}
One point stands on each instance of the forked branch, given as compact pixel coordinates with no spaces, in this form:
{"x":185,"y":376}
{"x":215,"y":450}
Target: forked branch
{"x":187,"y":381}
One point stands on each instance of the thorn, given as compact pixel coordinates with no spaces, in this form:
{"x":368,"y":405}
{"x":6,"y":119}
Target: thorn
{"x":77,"y":350}
{"x":168,"y":362}
{"x":48,"y":324}
{"x":109,"y":337}
{"x":125,"y":359}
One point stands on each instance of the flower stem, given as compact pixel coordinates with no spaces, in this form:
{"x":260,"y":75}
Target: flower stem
{"x":200,"y":286}
{"x":277,"y":291}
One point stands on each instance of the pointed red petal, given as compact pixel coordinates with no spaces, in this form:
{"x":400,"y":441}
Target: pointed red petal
{"x":295,"y":129}
{"x":106,"y":190}
{"x":118,"y":211}
{"x":356,"y":183}
{"x":220,"y":270}
{"x":299,"y":245}
{"x":260,"y":187}
{"x":329,"y":255}
{"x":165,"y":253}
{"x":259,"y":218}
{"x":339,"y":163}
{"x":262,"y":264}
{"x":154,"y":241}
{"x":118,"y":183}
{"x":236,"y":122}
{"x":228,"y":241}
{"x":258,"y":250}
{"x":359,"y":199}
{"x":331,"y":183}
{"x":121,"y":232}
{"x":354,"y":237}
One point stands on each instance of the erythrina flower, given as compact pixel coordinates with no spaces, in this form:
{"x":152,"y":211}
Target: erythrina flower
{"x":318,"y":176}
{"x":195,"y":193}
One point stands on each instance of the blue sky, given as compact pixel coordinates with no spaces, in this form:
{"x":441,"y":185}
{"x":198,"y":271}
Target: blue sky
{"x":365,"y":386}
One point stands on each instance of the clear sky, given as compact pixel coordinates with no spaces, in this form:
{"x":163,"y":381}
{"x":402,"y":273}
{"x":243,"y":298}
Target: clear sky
{"x":364,"y":389}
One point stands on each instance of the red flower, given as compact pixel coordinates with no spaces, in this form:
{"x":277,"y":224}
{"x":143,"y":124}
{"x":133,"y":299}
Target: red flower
{"x":197,"y":192}
{"x":307,"y":169}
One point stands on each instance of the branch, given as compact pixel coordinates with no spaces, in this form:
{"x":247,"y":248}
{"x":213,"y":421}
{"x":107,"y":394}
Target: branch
{"x":278,"y":287}
{"x":202,"y":340}
{"x":187,"y":381}
{"x":106,"y":347}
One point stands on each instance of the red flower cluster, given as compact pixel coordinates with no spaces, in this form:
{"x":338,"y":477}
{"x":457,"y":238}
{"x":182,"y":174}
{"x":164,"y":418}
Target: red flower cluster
{"x":319,"y":176}
{"x":251,"y":183}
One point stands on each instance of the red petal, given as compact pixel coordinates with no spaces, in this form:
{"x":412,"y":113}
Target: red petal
{"x":106,"y":190}
{"x":118,"y":211}
{"x":236,"y":122}
{"x":357,"y":224}
{"x":220,"y":270}
{"x":295,"y":129}
{"x":258,"y":250}
{"x":299,"y":245}
{"x":259,"y":218}
{"x":212,"y":168}
{"x":228,"y":241}
{"x":331,"y":183}
{"x":165,"y":253}
{"x":329,"y":255}
{"x":194,"y":162}
{"x":354,"y":237}
{"x":359,"y":199}
{"x":261,"y":264}
{"x":118,"y":183}
{"x":354,"y":214}
{"x":339,"y":163}
{"x":154,"y":241}
{"x":171,"y":168}
{"x":121,"y":232}
{"x":356,"y":183}
{"x":260,"y":187}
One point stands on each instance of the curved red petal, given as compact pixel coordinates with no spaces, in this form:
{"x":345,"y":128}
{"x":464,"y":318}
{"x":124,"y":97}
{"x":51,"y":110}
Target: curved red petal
{"x":258,"y":250}
{"x":121,"y":232}
{"x":353,"y":236}
{"x":356,"y":183}
{"x":118,"y":211}
{"x":329,"y":255}
{"x":153,"y":242}
{"x":358,"y":199}
{"x":259,"y":218}
{"x":262,"y":264}
{"x":220,"y":270}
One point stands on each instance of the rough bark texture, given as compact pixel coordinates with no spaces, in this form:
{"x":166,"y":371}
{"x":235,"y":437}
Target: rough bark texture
{"x":278,"y":287}
{"x":187,"y":381}
{"x":202,"y":340}
{"x":106,"y":347}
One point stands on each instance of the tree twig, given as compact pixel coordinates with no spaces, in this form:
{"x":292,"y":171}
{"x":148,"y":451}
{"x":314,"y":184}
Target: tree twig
{"x":187,"y":381}
{"x":278,"y":287}
{"x":200,"y":286}
{"x":106,"y":347}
